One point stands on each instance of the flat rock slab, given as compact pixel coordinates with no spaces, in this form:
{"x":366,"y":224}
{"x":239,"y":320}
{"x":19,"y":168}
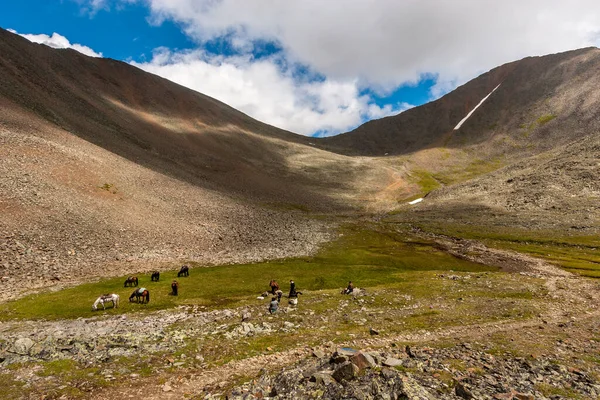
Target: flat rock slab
{"x":392,"y":362}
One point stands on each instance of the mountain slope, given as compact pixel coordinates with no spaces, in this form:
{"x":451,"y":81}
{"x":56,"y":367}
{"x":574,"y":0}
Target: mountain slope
{"x":106,"y":169}
{"x":536,"y":88}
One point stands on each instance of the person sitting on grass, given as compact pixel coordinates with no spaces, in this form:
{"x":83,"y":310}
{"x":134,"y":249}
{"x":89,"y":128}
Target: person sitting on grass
{"x":274,"y":305}
{"x":349,"y":289}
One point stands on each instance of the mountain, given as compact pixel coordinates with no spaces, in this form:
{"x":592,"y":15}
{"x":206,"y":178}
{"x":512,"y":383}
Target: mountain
{"x":105,"y":168}
{"x":561,"y":88}
{"x":103,"y":164}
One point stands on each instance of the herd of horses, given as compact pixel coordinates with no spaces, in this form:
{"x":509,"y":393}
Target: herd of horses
{"x":141,"y":295}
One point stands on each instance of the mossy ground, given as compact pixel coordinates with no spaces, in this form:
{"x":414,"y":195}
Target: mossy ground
{"x":370,"y":257}
{"x":412,"y":288}
{"x":575,"y":253}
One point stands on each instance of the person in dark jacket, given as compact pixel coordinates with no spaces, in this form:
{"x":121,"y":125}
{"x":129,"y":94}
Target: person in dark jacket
{"x":349,"y":289}
{"x":293,"y":291}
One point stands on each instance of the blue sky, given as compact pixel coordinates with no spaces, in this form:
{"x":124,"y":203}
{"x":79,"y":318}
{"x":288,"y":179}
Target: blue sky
{"x":311,"y":67}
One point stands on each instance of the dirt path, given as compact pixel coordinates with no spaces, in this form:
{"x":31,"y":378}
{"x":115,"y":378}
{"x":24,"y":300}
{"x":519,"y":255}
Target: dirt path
{"x":575,"y":295}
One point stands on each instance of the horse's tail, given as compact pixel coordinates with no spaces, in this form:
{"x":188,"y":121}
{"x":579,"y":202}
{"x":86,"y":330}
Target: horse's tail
{"x":116,"y":300}
{"x":148,"y":296}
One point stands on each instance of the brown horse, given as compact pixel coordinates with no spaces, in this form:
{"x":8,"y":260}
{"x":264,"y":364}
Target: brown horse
{"x":131,"y":281}
{"x":142,"y":293}
{"x":155,"y":277}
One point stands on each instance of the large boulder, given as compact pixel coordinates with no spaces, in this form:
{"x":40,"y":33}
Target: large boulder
{"x":411,"y":390}
{"x":345,"y":372}
{"x":363,"y":360}
{"x":22,"y":346}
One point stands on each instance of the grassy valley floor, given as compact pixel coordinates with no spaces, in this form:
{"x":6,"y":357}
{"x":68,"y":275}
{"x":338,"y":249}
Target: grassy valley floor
{"x":415,"y":291}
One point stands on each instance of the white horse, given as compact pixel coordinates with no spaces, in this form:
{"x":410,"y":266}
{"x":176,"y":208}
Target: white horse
{"x":106,"y":298}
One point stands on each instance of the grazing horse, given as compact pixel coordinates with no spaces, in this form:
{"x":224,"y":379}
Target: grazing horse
{"x":106,"y":298}
{"x":155,"y":276}
{"x":175,"y":288}
{"x":184,"y":271}
{"x":131,"y":281}
{"x":142,"y":293}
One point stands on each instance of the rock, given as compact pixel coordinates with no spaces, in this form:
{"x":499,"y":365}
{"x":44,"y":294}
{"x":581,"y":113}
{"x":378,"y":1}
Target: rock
{"x":339,"y":359}
{"x":166,"y":388}
{"x":22,"y":346}
{"x":321,"y":378}
{"x":318,"y":354}
{"x":345,"y":372}
{"x":461,"y":390}
{"x":392,"y":362}
{"x":373,"y":331}
{"x":363,"y":360}
{"x":524,"y":396}
{"x":411,"y":390}
{"x":246,"y":316}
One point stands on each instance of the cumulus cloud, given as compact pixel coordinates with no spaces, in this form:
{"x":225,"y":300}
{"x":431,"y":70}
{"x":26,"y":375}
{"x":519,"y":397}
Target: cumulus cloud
{"x":388,"y":42}
{"x":58,"y":41}
{"x":356,"y":45}
{"x":269,"y":92}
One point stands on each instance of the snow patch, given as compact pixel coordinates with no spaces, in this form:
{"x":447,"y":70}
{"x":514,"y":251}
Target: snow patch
{"x":420,"y":199}
{"x":462,"y":121}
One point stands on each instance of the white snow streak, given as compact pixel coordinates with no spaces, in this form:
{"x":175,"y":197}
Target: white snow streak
{"x":473,"y":110}
{"x":415,"y":201}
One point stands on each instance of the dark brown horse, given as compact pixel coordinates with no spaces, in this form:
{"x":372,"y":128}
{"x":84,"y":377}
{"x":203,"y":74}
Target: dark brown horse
{"x":141,"y":293}
{"x":131,"y":281}
{"x":184,"y":271}
{"x":155,"y":276}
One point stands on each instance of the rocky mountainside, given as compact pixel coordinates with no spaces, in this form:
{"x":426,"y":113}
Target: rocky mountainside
{"x":556,"y":93}
{"x":106,"y":169}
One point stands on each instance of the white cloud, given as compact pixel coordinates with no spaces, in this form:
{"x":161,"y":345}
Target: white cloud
{"x":356,"y":44}
{"x":58,"y":41}
{"x":262,"y":89}
{"x":389,"y":42}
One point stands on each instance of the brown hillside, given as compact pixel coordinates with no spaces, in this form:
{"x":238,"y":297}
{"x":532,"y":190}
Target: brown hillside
{"x":562,"y":85}
{"x":106,"y":169}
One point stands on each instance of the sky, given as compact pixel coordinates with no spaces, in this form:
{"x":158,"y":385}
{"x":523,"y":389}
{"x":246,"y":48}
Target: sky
{"x":316,"y":68}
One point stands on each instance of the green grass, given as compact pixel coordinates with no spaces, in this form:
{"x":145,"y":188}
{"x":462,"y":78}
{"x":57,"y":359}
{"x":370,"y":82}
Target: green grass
{"x":472,"y":170}
{"x":544,"y":119}
{"x":425,"y":180}
{"x":577,"y":254}
{"x":370,"y":257}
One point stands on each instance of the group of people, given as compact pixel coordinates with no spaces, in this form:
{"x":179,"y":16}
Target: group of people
{"x":293,"y":296}
{"x":277,"y":293}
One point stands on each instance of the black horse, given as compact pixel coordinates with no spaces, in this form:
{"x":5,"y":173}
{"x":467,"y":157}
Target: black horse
{"x":155,"y":276}
{"x":184,"y":271}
